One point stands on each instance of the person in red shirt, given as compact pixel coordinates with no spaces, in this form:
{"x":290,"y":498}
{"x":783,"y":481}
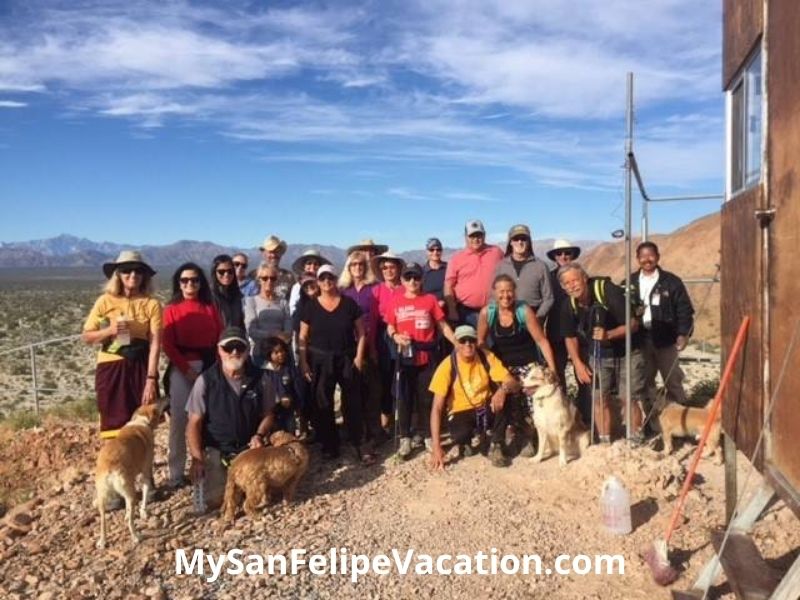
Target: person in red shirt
{"x":412,"y":322}
{"x":192,"y":325}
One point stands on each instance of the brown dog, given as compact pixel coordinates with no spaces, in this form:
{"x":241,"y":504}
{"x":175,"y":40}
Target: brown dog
{"x":121,"y":460}
{"x":556,"y":419}
{"x":255,"y":473}
{"x":683,"y":421}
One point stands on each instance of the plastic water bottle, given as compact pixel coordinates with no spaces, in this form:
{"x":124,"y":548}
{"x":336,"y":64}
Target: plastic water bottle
{"x":615,"y":503}
{"x":123,"y":337}
{"x":199,"y":496}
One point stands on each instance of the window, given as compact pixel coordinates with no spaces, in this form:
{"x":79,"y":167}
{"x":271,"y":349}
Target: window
{"x":745,"y":126}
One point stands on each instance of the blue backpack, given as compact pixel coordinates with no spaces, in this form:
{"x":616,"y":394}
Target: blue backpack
{"x":519,"y":311}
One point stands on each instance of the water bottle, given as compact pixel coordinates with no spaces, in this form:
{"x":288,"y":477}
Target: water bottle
{"x":123,"y":337}
{"x":199,"y":496}
{"x":615,"y":504}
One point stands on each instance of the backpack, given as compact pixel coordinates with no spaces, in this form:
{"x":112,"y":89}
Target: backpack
{"x":599,"y":293}
{"x":519,"y":311}
{"x":484,"y":363}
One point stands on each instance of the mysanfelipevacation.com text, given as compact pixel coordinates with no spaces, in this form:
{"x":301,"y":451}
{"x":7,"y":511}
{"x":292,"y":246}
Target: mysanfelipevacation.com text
{"x":341,"y":562}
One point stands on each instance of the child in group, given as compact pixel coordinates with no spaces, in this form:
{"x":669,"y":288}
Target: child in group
{"x":279,"y":381}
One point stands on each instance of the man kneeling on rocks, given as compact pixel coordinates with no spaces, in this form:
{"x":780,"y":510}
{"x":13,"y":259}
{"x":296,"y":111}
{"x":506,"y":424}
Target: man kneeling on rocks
{"x":473,"y":384}
{"x":229,"y":411}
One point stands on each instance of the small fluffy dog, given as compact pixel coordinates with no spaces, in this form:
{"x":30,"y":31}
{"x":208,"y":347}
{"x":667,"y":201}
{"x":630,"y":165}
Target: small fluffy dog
{"x":556,"y":419}
{"x":121,"y":460}
{"x":683,"y":421}
{"x":256,"y":472}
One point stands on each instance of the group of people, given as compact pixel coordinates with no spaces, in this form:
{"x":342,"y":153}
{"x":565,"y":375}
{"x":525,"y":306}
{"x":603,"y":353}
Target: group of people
{"x":410,"y":346}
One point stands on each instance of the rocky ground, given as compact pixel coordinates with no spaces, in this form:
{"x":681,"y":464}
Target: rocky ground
{"x":47,"y":543}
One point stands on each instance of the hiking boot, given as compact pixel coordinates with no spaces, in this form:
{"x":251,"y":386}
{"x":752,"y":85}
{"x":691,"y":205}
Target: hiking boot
{"x":417,"y":441}
{"x":405,"y":447}
{"x":605,"y":439}
{"x":528,"y":450}
{"x":497,"y":457}
{"x":428,"y":444}
{"x":637,"y":440}
{"x":466,"y":450}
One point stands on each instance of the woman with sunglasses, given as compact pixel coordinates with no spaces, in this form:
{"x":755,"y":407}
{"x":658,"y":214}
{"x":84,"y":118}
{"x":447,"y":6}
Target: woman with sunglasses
{"x":266,"y":315}
{"x":515,"y":333}
{"x":126,"y":321}
{"x":387,"y":268}
{"x":412,"y":324}
{"x":225,"y":291}
{"x":192,"y":325}
{"x":332,"y":348}
{"x":530,"y":274}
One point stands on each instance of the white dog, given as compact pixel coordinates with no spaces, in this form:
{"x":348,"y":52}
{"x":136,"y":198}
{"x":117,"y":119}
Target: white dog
{"x":121,"y":460}
{"x":556,"y":419}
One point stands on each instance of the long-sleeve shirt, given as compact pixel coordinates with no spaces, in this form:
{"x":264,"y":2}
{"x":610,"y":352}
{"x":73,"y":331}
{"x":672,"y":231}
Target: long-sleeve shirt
{"x":189,"y":327}
{"x":533,"y":282}
{"x":264,"y":318}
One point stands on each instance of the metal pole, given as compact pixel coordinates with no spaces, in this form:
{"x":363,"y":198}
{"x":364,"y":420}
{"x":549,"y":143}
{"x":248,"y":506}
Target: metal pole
{"x":645,"y":219}
{"x":628,"y":185}
{"x":35,"y":382}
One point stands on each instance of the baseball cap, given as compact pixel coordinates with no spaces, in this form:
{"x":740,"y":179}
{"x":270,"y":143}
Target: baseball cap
{"x":433,"y":243}
{"x":519,"y":230}
{"x":233,"y":334}
{"x":327,"y":269}
{"x":474,"y":226}
{"x":412,"y":268}
{"x":465,"y":331}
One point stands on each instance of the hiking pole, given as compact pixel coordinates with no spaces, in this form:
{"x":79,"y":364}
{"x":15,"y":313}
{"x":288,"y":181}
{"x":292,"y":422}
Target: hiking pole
{"x":397,"y":404}
{"x":597,"y":321}
{"x":595,"y":354}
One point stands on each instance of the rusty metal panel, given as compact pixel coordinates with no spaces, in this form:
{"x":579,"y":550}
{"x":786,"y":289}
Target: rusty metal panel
{"x":742,"y":27}
{"x":742,"y":407}
{"x":783,"y":84}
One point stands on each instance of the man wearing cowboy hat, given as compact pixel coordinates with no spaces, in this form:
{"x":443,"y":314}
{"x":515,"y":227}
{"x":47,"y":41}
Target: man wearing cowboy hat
{"x":272,"y":250}
{"x":562,"y":253}
{"x":529,"y":273}
{"x":469,"y":275}
{"x":308,"y":263}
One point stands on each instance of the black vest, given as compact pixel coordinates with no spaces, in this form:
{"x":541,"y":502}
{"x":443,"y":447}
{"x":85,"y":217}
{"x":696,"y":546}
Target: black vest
{"x":231,"y":419}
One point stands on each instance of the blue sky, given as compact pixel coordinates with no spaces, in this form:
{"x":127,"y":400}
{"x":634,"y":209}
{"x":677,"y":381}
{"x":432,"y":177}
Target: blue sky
{"x":144,"y":123}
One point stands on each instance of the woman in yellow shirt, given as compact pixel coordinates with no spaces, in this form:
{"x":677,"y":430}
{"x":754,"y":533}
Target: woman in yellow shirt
{"x":126,"y":322}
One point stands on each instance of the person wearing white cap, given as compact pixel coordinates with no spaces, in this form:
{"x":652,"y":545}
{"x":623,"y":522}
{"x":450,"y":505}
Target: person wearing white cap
{"x":229,"y":411}
{"x":528,"y":272}
{"x":126,"y":322}
{"x":332,"y":351}
{"x":308,"y":263}
{"x":468,"y":279}
{"x":272,"y":250}
{"x":562,"y":253}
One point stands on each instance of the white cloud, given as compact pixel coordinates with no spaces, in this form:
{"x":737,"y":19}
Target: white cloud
{"x":12,"y":104}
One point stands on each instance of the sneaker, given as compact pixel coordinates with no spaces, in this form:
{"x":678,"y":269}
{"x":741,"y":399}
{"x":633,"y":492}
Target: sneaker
{"x":605,"y":439}
{"x":428,"y":444}
{"x":174,"y":484}
{"x":497,"y":457}
{"x":466,"y":450}
{"x":528,"y":450}
{"x":417,"y":441}
{"x":405,"y":447}
{"x":637,"y":439}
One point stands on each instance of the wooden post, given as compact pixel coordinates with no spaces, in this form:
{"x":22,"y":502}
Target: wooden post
{"x":731,"y":491}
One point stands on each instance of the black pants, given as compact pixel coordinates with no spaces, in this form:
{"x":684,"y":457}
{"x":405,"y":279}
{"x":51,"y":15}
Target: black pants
{"x":463,"y":425}
{"x":415,"y":397}
{"x":370,"y":392}
{"x":328,"y":371}
{"x":560,"y":355}
{"x":387,"y":353}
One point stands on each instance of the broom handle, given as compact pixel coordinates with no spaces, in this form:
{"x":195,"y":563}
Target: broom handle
{"x":712,"y":415}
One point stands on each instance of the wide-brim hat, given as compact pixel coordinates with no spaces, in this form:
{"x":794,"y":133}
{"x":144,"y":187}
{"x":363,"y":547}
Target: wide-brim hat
{"x":368,"y":246}
{"x":127,"y":257}
{"x":376,"y":261}
{"x":273,"y":244}
{"x":563,"y":245}
{"x":297,"y":265}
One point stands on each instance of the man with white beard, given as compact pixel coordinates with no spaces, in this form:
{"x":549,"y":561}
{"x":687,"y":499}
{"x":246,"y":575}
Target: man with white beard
{"x":228,"y":412}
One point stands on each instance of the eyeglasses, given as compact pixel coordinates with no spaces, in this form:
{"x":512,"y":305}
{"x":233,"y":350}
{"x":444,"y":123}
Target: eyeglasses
{"x":519,"y":238}
{"x":268,"y":278}
{"x":358,"y":264}
{"x":467,"y":340}
{"x":129,"y":270}
{"x":434,"y":249}
{"x":562,"y":253}
{"x":240,"y":265}
{"x":412,"y":277}
{"x":326,"y":277}
{"x":224,"y":272}
{"x":477,"y":235}
{"x":234,"y":347}
{"x":188,"y":280}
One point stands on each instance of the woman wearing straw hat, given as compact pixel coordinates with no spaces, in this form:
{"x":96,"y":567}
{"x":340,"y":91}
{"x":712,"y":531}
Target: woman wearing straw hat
{"x":562,"y":253}
{"x":308,"y":263}
{"x":387,"y":268}
{"x":126,"y":321}
{"x":272,"y":250}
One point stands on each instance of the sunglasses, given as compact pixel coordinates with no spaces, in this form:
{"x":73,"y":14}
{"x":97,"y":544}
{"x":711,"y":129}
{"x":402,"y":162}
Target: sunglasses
{"x":434,"y":249}
{"x":519,"y":238}
{"x":188,"y":280}
{"x":268,"y":278}
{"x":240,"y":265}
{"x":477,"y":235}
{"x":326,"y":277}
{"x":224,"y":272}
{"x":358,"y":264}
{"x":467,"y":340}
{"x":388,"y":266}
{"x":412,"y":278}
{"x":231,"y":347}
{"x":562,"y":253}
{"x":129,"y":270}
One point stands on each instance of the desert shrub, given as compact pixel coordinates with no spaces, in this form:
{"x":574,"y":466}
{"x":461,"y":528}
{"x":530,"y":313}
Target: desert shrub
{"x":703,"y":391}
{"x":22,"y":419}
{"x":83,"y":409}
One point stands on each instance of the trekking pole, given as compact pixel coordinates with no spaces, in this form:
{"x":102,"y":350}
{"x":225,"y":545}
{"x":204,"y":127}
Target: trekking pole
{"x":397,"y":404}
{"x":595,"y":354}
{"x":597,"y":321}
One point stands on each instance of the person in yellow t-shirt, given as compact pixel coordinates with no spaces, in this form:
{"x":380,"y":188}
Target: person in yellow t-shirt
{"x":126,"y":321}
{"x":473,"y":397}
